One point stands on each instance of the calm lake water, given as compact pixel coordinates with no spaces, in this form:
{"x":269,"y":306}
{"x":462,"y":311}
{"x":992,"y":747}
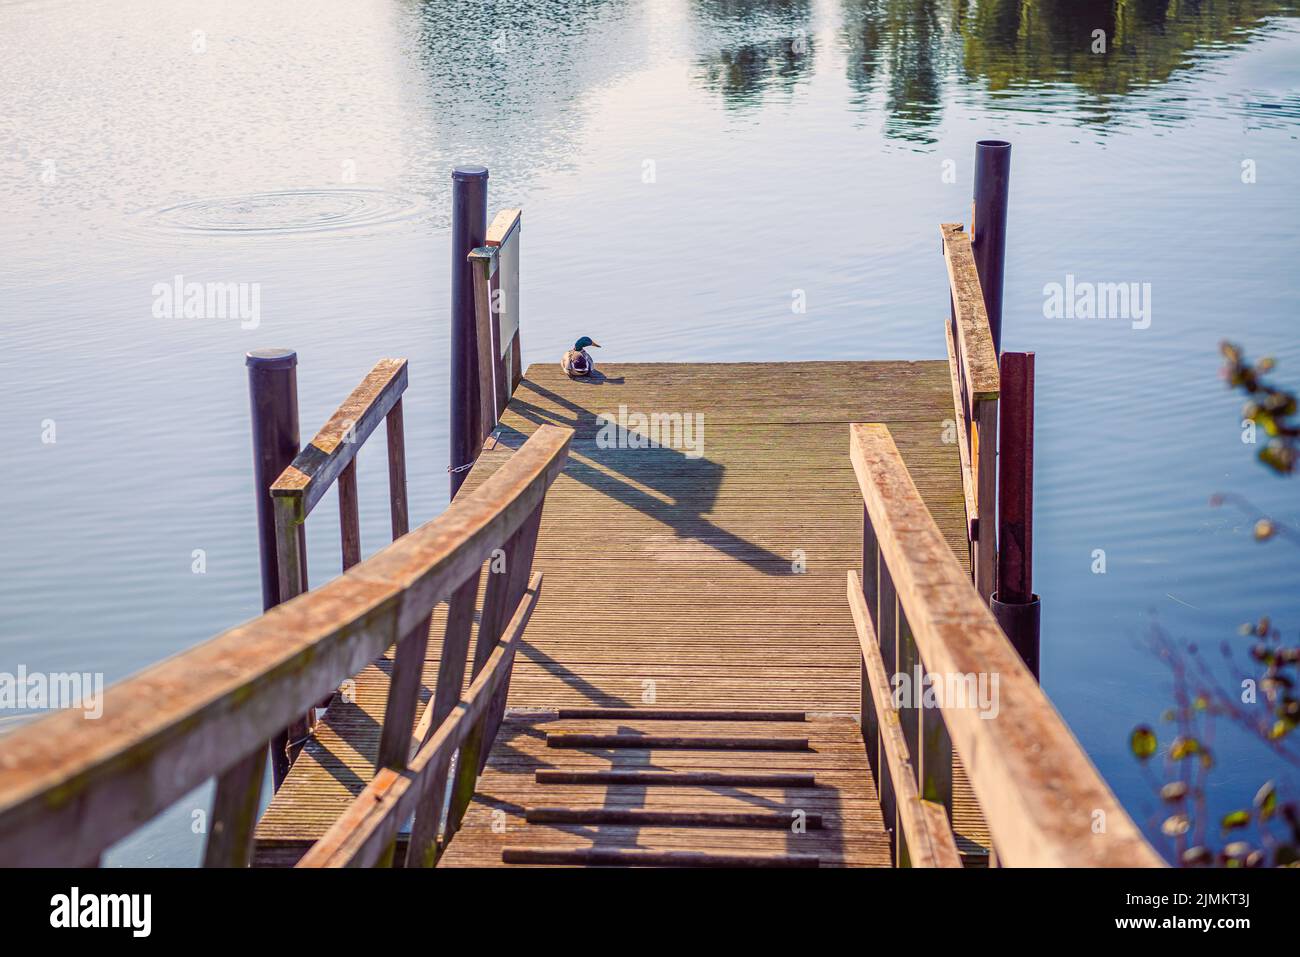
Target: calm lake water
{"x":305,"y":147}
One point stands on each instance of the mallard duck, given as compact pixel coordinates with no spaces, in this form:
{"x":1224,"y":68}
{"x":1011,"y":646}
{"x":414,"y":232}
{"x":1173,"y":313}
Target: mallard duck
{"x":576,"y":363}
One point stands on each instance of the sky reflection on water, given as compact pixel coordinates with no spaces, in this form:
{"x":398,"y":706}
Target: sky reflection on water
{"x":797,"y":145}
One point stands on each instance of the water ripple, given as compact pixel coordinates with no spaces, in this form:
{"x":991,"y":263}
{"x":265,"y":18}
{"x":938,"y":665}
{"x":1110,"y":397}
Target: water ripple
{"x":287,"y":211}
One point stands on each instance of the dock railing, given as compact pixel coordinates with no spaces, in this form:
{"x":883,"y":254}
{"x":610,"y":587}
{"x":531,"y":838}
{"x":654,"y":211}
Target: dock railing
{"x":495,"y":267}
{"x":332,"y":457}
{"x":939,"y":675}
{"x":71,"y":787}
{"x":973,"y":361}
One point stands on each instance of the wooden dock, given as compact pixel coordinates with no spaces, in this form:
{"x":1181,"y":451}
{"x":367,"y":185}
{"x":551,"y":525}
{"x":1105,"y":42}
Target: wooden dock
{"x":674,"y":582}
{"x":747,"y":566}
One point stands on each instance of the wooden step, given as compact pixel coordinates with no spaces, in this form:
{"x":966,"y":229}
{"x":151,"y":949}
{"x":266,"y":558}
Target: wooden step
{"x":573,"y":739}
{"x":633,"y":857}
{"x":675,"y":714}
{"x":641,"y":817}
{"x":677,"y":778}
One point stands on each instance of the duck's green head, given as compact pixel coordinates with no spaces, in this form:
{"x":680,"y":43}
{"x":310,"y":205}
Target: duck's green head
{"x":584,"y":342}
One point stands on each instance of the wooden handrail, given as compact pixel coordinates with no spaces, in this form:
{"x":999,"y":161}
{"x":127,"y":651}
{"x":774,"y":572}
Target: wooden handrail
{"x":979,"y":359}
{"x":361,"y":836}
{"x":496,"y":310}
{"x":927,"y":835}
{"x":973,"y":361}
{"x":503,"y":224}
{"x":309,"y":477}
{"x":69,"y":788}
{"x":486,"y":260}
{"x":1044,"y":802}
{"x":963,"y":441}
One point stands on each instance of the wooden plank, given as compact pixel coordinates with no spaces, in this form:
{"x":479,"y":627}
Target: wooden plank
{"x":927,"y":844}
{"x":504,"y":233}
{"x":71,"y":787}
{"x":642,"y":817}
{"x":316,"y":467}
{"x":1035,"y":786}
{"x":507,"y":312}
{"x":975,"y":342}
{"x":503,"y":225}
{"x":850,"y":834}
{"x":697,"y":743}
{"x":631,"y":857}
{"x":683,"y":714}
{"x":677,"y":778}
{"x":943,"y":853}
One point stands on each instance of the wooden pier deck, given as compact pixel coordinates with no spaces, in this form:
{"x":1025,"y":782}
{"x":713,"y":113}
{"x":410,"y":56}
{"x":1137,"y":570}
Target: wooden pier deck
{"x":679,"y":582}
{"x":744,"y":564}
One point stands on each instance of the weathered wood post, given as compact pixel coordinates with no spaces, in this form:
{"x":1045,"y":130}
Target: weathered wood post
{"x":1015,"y":606}
{"x":989,"y":226}
{"x":468,"y":229}
{"x":273,"y":399}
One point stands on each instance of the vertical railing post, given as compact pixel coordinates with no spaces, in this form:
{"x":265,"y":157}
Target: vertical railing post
{"x":291,"y":558}
{"x":482,"y":261}
{"x":870,"y":587}
{"x":910,"y":707}
{"x":989,"y":226}
{"x":273,"y":398}
{"x":273,"y":404}
{"x":398,"y":506}
{"x":468,"y":229}
{"x":1015,"y":606}
{"x":934,"y":761}
{"x":984,"y":463}
{"x":349,"y":515}
{"x":887,"y":634}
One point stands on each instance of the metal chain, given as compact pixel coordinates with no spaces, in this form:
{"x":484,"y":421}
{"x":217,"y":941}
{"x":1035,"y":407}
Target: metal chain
{"x":469,"y":465}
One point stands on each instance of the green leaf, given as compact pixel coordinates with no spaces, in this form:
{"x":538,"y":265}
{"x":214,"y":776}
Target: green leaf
{"x":1184,"y":748}
{"x":1266,"y":800}
{"x":1235,"y":819}
{"x":1142,"y":742}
